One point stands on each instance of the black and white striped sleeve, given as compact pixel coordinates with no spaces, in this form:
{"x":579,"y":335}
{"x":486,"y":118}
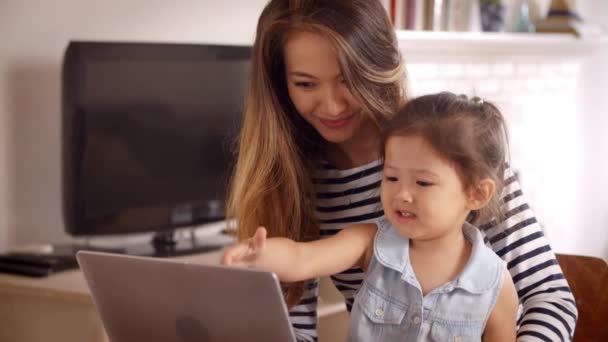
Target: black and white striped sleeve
{"x":303,"y":316}
{"x":548,"y":309}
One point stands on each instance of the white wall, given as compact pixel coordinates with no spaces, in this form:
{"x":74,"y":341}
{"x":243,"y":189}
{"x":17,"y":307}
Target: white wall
{"x":536,"y":91}
{"x":34,"y":35}
{"x":594,"y":93}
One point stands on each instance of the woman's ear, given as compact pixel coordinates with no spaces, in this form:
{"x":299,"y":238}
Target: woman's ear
{"x":480,"y":194}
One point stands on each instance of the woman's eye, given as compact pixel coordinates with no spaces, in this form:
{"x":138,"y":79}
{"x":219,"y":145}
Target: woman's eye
{"x":304,"y":84}
{"x":390,"y":179}
{"x":424,"y":183}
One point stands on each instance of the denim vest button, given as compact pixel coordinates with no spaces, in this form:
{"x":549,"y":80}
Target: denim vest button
{"x":379,"y":312}
{"x":416,"y":320}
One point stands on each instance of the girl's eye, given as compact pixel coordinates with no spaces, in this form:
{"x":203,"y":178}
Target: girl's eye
{"x":423,"y":183}
{"x":390,"y":179}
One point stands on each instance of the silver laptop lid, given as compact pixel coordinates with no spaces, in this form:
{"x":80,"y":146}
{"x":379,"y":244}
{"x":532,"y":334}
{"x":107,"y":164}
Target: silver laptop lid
{"x":150,"y":299}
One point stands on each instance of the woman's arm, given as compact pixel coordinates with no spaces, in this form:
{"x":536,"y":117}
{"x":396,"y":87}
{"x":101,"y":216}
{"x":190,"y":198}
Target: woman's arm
{"x":549,"y":312}
{"x":296,"y":261}
{"x":502,"y":323}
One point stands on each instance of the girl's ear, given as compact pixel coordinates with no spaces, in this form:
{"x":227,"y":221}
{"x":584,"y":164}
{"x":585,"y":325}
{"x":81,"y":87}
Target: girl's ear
{"x":480,"y":194}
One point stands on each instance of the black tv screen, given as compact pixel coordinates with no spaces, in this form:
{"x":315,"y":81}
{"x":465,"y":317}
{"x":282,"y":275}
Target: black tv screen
{"x":148,"y":132}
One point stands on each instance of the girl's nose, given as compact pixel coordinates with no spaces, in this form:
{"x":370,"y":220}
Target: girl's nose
{"x":405,"y":196}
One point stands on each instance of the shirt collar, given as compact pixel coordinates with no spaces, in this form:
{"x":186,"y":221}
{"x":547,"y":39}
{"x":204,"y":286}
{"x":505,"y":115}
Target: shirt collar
{"x":479,"y":274}
{"x":390,"y":248}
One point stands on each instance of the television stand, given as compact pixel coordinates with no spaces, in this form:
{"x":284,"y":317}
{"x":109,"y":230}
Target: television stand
{"x":70,"y":249}
{"x":46,"y":261}
{"x":165,"y":244}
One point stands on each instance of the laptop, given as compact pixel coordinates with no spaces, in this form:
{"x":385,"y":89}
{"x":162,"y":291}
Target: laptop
{"x":151,"y":299}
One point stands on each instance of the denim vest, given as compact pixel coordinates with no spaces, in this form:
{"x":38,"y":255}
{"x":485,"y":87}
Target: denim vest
{"x":390,"y":307}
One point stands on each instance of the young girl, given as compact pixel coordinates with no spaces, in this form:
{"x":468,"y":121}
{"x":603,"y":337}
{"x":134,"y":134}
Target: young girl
{"x":429,"y":275}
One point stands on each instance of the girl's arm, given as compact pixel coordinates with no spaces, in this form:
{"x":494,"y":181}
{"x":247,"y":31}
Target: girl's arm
{"x":502,"y":323}
{"x":296,"y":261}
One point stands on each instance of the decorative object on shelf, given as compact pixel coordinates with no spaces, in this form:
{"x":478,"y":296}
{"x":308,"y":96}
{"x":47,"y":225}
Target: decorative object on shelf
{"x":523,"y":22}
{"x":562,"y":17}
{"x":492,"y":15}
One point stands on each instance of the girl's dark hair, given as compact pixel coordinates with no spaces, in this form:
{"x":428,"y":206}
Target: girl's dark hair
{"x":470,"y":133}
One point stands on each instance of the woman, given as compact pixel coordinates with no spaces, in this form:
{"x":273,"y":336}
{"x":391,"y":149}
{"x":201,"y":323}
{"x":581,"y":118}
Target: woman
{"x":325,"y":75}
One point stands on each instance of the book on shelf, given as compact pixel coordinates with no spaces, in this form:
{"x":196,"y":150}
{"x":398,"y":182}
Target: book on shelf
{"x":433,"y":15}
{"x":406,"y":14}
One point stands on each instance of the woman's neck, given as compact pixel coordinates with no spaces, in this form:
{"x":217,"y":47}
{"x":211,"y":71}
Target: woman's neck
{"x":361,"y":149}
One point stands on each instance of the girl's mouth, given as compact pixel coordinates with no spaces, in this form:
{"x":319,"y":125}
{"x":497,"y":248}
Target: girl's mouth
{"x":404,"y":215}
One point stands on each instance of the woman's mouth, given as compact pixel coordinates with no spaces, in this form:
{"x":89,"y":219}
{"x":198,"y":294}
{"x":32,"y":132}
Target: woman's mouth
{"x":336,"y":124}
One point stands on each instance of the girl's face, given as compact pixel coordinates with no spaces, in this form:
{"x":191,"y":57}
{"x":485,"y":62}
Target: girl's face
{"x":422,"y":194}
{"x":317,"y":89}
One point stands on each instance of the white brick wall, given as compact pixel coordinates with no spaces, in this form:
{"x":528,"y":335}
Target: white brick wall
{"x":539,"y":95}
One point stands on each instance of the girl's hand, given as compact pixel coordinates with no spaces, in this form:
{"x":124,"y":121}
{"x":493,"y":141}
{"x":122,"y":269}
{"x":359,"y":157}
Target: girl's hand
{"x":246,"y":253}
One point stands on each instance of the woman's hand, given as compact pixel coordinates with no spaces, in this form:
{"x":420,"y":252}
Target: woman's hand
{"x":246,"y":253}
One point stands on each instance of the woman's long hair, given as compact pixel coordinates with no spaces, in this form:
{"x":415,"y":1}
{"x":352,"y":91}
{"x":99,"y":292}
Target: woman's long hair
{"x":276,"y":151}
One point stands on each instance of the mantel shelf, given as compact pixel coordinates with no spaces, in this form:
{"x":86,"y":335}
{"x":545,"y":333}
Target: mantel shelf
{"x":415,"y":42}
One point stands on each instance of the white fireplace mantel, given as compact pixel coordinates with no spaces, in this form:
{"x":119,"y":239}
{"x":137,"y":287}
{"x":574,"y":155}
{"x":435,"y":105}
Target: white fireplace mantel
{"x":471,"y":43}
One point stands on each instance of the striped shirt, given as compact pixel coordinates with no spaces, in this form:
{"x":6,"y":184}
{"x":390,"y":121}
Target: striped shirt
{"x":547,"y":308}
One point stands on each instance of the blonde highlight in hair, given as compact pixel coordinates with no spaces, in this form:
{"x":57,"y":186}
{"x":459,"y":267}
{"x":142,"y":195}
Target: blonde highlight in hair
{"x":360,"y":73}
{"x":277,"y":149}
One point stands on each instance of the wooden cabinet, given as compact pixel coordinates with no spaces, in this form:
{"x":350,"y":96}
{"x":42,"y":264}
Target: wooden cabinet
{"x":56,"y":308}
{"x":59,"y":308}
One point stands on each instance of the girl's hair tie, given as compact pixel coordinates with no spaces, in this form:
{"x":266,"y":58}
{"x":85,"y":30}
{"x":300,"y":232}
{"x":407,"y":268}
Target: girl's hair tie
{"x":477,"y":100}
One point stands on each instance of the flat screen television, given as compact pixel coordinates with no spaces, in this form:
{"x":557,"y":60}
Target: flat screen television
{"x":147,"y":134}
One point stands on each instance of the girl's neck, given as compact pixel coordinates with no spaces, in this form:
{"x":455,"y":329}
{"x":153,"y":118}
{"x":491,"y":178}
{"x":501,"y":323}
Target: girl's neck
{"x":438,"y":261}
{"x":361,"y":149}
{"x":453,"y":240}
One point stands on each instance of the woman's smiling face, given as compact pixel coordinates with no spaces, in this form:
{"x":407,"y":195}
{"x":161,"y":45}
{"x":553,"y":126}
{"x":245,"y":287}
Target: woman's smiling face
{"x":317,"y":88}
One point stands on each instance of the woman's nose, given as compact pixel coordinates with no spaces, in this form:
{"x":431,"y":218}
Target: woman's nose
{"x":334,"y":102}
